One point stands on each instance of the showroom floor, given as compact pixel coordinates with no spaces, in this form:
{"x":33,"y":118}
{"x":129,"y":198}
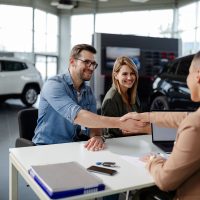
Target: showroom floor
{"x":8,"y":134}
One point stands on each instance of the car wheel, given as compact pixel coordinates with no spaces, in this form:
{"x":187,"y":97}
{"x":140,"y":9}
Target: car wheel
{"x":160,"y":103}
{"x":29,"y":96}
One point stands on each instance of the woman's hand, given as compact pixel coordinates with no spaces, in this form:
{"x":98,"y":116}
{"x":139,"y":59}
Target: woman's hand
{"x":143,"y":117}
{"x":144,"y":128}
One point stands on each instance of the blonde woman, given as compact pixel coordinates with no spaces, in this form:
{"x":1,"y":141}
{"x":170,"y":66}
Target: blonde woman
{"x":122,"y":96}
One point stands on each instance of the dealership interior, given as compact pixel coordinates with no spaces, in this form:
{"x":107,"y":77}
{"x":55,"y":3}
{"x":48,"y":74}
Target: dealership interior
{"x":44,"y":31}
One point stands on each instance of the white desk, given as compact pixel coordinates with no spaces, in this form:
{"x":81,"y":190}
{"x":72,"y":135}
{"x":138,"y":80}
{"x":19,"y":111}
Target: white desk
{"x":129,"y":176}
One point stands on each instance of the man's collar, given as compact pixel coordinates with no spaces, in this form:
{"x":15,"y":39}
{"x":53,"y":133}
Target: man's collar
{"x":69,"y":80}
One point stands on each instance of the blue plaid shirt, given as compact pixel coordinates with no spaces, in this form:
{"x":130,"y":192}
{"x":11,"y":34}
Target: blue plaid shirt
{"x":58,"y":107}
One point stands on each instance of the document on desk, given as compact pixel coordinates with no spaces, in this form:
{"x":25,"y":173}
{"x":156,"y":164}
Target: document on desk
{"x":65,"y":179}
{"x":134,"y":161}
{"x":138,"y":163}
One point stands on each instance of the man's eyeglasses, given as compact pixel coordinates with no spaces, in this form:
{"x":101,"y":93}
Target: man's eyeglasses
{"x":88,"y":63}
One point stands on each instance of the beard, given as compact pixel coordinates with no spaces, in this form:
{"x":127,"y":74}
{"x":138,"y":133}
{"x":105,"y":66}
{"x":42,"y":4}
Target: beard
{"x":86,"y":75}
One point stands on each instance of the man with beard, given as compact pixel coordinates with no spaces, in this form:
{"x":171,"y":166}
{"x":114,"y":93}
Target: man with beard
{"x":67,"y":106}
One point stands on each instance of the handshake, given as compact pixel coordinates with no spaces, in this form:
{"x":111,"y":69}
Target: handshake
{"x":135,"y":123}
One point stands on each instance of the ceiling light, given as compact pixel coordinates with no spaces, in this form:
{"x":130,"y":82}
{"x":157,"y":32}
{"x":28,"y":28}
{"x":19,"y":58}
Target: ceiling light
{"x":65,"y":6}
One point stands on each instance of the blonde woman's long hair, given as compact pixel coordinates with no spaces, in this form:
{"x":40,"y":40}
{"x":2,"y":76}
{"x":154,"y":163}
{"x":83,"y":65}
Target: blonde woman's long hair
{"x":120,"y":61}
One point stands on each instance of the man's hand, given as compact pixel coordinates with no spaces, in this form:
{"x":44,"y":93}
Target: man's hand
{"x":143,"y":117}
{"x":137,"y":130}
{"x":96,"y":143}
{"x":135,"y":126}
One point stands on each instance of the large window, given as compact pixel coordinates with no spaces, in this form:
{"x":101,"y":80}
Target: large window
{"x":82,"y":29}
{"x":150,"y":23}
{"x":46,"y":32}
{"x":15,"y":29}
{"x":109,"y":23}
{"x":46,"y":65}
{"x":16,"y":35}
{"x":155,"y":23}
{"x":187,"y":28}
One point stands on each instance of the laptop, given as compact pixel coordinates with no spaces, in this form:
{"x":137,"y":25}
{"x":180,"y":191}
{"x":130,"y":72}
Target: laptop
{"x":163,"y":137}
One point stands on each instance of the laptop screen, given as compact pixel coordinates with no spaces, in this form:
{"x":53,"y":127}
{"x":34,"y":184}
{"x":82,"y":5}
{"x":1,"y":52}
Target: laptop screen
{"x":163,"y":134}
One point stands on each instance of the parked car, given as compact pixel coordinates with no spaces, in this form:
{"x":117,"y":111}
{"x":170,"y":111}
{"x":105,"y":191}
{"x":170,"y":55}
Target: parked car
{"x":19,"y":79}
{"x":170,"y":91}
{"x":146,"y":80}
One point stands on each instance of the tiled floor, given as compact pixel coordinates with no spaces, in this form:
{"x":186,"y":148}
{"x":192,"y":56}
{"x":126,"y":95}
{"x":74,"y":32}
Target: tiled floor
{"x":8,"y":134}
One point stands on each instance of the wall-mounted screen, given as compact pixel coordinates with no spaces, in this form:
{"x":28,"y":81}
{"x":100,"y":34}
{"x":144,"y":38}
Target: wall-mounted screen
{"x":111,"y":53}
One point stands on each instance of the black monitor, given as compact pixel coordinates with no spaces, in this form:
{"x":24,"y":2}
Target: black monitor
{"x":110,"y":54}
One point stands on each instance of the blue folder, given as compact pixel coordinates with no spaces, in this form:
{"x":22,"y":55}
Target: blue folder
{"x":65,"y":179}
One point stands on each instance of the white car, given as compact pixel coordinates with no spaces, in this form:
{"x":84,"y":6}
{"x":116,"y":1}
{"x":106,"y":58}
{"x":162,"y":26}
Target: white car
{"x":19,"y":79}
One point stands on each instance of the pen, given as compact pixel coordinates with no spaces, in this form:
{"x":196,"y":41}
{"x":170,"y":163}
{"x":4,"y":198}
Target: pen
{"x":165,"y":156}
{"x":107,"y":164}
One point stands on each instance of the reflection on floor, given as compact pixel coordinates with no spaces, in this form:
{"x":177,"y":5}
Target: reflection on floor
{"x":8,"y":134}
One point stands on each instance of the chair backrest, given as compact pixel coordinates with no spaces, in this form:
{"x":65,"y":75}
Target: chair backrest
{"x":27,"y":119}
